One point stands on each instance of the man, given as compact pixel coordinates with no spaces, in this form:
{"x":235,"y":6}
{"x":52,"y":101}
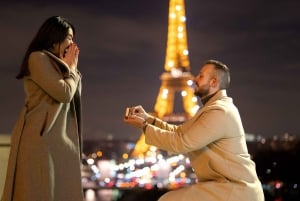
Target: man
{"x":214,"y":140}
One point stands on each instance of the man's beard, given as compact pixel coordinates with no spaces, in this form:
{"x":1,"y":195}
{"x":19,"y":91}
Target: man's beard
{"x":202,"y":92}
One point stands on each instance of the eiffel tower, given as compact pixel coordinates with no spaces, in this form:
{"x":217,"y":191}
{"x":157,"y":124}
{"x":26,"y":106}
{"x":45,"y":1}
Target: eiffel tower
{"x":176,"y":79}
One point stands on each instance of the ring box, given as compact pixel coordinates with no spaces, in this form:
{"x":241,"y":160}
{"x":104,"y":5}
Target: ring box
{"x":127,"y":112}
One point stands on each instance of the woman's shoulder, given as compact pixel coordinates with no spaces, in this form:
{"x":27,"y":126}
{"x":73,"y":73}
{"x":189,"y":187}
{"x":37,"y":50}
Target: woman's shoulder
{"x":37,"y":59}
{"x":43,"y":54}
{"x":37,"y":55}
{"x":44,"y":57}
{"x":55,"y":58}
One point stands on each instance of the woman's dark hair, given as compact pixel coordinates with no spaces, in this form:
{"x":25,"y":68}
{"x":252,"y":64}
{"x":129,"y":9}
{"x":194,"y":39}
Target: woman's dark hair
{"x":54,"y":30}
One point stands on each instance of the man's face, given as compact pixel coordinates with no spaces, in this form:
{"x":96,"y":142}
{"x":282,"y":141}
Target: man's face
{"x":203,"y":81}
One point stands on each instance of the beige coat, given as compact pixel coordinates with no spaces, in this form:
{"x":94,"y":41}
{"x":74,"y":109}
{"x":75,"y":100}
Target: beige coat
{"x":44,"y":163}
{"x":214,"y":140}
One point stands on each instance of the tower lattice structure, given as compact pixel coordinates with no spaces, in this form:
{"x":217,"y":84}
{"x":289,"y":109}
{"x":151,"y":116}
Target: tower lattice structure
{"x":176,"y":78}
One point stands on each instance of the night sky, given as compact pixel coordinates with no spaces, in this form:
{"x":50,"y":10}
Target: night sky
{"x":122,"y":54}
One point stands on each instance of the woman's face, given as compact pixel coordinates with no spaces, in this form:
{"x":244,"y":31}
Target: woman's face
{"x":60,"y":49}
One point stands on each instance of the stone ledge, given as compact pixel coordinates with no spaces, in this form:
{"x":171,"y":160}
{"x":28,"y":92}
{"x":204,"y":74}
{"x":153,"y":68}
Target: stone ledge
{"x":4,"y":154}
{"x":4,"y":140}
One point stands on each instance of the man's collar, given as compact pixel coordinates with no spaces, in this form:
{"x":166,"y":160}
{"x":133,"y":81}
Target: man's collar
{"x":206,"y":99}
{"x":214,"y":96}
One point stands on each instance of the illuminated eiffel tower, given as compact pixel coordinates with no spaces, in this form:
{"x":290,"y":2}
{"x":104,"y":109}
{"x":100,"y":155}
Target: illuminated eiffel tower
{"x":176,"y":79}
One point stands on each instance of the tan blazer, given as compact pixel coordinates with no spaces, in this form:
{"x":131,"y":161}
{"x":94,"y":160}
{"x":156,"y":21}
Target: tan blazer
{"x":214,"y":140}
{"x":44,"y":163}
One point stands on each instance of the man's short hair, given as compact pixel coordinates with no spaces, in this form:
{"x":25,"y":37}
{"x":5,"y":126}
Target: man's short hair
{"x":222,"y":73}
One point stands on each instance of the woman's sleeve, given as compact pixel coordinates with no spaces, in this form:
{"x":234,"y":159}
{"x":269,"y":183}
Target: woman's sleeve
{"x":43,"y":72}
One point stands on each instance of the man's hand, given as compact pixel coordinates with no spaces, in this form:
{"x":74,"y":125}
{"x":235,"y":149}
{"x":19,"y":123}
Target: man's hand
{"x":134,"y":120}
{"x":139,"y":111}
{"x":136,"y":116}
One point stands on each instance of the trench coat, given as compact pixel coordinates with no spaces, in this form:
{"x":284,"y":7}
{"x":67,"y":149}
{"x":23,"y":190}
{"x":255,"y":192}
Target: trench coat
{"x":46,"y":142}
{"x":214,"y":141}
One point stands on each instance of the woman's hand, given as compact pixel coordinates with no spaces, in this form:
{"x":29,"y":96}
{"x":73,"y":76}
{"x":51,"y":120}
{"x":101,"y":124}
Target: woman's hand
{"x":71,"y":56}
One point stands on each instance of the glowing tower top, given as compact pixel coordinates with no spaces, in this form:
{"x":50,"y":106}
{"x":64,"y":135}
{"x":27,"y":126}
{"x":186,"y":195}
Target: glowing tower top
{"x":177,"y":76}
{"x":177,"y":48}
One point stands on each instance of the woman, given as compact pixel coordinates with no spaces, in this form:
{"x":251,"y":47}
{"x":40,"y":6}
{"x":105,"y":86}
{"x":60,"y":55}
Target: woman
{"x":46,"y":142}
